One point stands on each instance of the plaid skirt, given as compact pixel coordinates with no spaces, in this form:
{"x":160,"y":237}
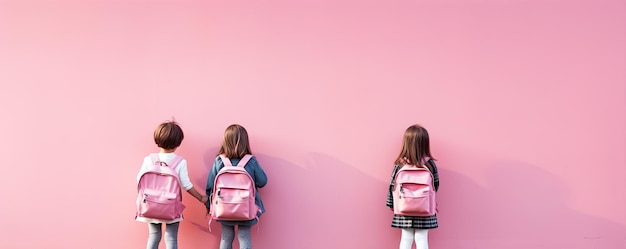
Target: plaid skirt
{"x":427,"y":222}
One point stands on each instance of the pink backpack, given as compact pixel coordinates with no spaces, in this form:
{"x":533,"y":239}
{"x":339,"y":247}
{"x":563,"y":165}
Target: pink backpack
{"x":159,"y":191}
{"x":234,"y":192}
{"x":414,"y":192}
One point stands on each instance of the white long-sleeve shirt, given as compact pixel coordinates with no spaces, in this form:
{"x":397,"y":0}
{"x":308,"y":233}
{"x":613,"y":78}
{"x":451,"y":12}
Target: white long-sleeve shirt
{"x":183,"y":175}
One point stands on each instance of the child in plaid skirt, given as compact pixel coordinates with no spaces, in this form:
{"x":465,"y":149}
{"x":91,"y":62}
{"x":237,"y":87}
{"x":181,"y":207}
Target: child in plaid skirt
{"x":415,"y":148}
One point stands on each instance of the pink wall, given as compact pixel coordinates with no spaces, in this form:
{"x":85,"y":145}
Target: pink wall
{"x":524,"y":99}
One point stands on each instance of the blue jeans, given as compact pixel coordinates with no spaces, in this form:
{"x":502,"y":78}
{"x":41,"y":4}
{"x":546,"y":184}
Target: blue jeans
{"x":228,"y":235}
{"x":171,"y":235}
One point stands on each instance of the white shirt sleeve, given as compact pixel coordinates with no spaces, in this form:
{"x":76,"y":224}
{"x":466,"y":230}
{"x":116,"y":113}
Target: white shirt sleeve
{"x":183,"y":175}
{"x":144,"y":166}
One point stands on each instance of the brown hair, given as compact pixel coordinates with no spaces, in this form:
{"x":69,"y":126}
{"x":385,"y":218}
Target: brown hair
{"x":168,"y":135}
{"x":236,"y":143}
{"x":415,"y":146}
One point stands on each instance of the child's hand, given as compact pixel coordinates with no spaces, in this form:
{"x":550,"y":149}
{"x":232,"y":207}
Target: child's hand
{"x":204,"y":199}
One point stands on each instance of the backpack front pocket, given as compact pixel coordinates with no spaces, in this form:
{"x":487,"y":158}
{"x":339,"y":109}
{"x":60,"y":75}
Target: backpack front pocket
{"x":159,"y":205}
{"x":233,"y":204}
{"x":414,"y":199}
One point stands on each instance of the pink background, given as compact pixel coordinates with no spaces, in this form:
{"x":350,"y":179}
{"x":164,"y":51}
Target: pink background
{"x":524,"y":101}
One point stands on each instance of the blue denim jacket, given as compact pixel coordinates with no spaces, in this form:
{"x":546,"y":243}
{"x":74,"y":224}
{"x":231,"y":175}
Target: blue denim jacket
{"x":256,"y":172}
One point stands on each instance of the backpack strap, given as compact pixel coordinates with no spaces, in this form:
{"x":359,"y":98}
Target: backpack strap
{"x":173,"y":164}
{"x":244,"y":160}
{"x":225,"y":160}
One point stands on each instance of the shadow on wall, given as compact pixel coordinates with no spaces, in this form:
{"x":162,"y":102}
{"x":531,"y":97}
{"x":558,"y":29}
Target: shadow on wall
{"x":322,"y":203}
{"x":521,"y":206}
